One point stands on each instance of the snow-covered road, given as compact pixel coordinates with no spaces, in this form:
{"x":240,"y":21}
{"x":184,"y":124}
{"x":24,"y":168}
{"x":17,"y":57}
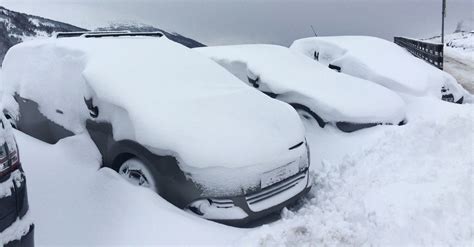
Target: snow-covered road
{"x":388,"y":185}
{"x":461,"y":69}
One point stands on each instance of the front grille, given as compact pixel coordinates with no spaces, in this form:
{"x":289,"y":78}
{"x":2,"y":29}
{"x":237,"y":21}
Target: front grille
{"x":275,"y":189}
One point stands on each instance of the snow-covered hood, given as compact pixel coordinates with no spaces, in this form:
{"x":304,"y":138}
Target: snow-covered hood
{"x":175,"y":100}
{"x":296,"y":79}
{"x":380,"y":61}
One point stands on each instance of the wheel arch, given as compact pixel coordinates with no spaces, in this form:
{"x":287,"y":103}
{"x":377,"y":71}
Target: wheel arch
{"x":302,"y":107}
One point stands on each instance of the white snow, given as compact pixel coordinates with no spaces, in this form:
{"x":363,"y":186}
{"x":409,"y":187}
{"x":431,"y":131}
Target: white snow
{"x":7,"y":185}
{"x":160,"y":94}
{"x":35,"y":21}
{"x":382,"y":62}
{"x":461,"y":47}
{"x":387,"y":185}
{"x":459,"y":57}
{"x":296,"y":79}
{"x":409,"y":185}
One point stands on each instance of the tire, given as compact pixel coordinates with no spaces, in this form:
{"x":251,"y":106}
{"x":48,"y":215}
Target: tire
{"x":138,"y":173}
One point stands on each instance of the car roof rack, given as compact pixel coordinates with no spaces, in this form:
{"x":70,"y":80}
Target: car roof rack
{"x":100,"y":34}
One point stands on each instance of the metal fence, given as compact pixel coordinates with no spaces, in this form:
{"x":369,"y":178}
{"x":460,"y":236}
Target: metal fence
{"x":430,"y":52}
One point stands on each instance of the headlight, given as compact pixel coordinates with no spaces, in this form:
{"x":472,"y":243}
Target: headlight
{"x":305,"y":160}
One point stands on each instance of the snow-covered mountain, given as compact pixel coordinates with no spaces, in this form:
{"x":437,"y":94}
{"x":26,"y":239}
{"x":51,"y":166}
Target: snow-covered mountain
{"x":17,"y":27}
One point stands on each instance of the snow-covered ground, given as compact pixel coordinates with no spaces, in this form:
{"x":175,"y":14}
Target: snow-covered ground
{"x":387,"y":185}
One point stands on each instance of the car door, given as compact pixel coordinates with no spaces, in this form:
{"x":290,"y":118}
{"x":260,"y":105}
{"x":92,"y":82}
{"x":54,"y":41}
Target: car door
{"x":34,"y":123}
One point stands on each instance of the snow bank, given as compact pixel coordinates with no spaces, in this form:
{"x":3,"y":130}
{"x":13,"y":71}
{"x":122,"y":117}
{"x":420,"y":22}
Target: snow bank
{"x":296,"y":79}
{"x":404,"y":186}
{"x":158,"y":93}
{"x":382,"y":62}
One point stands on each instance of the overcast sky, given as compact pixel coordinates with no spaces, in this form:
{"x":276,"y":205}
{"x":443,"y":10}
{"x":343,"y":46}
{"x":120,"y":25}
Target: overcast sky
{"x":262,"y":21}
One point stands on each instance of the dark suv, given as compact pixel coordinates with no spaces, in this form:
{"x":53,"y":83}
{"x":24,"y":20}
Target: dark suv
{"x":16,"y":227}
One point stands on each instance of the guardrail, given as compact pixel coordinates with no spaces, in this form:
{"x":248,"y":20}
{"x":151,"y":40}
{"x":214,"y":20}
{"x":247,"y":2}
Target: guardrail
{"x":430,"y":52}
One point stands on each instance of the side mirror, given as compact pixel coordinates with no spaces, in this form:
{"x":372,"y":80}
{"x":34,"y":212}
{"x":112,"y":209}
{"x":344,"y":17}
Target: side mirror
{"x":93,"y":110}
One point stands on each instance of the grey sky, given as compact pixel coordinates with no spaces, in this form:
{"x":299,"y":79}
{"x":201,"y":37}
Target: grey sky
{"x":262,"y":21}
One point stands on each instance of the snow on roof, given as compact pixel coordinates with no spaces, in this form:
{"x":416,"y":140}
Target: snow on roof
{"x":297,"y":79}
{"x":173,"y":99}
{"x":380,"y":61}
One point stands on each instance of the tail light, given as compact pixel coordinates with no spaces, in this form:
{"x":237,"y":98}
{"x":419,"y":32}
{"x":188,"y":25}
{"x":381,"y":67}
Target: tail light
{"x":4,"y":162}
{"x":9,"y":157}
{"x":13,"y":150}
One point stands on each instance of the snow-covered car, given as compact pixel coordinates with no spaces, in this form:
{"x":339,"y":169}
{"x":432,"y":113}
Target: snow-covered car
{"x":164,"y":117}
{"x":314,"y":90}
{"x":16,"y":226}
{"x":382,"y":62}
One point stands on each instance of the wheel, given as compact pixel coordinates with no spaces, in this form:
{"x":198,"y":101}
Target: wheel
{"x":137,"y":173}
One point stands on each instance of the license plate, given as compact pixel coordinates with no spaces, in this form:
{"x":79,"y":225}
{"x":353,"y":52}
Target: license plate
{"x":279,"y":174}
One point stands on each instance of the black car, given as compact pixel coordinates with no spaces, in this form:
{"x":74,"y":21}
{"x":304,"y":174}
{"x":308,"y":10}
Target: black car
{"x":16,"y":227}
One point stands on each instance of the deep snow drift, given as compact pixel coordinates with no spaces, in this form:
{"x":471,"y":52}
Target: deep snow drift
{"x":385,"y":185}
{"x":396,"y":186}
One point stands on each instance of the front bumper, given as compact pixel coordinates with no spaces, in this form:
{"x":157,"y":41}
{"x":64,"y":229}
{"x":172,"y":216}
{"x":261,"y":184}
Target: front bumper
{"x":241,"y":210}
